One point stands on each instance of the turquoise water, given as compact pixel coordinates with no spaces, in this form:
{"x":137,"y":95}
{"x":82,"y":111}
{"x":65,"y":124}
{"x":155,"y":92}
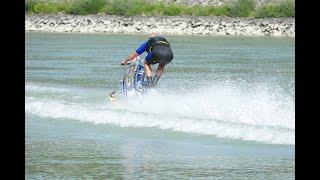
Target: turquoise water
{"x":224,"y":109}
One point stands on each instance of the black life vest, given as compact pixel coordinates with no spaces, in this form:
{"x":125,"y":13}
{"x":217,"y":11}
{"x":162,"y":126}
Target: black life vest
{"x":155,"y":40}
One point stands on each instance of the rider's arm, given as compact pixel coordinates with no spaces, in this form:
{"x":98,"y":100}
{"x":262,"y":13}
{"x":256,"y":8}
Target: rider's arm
{"x":142,"y":48}
{"x":130,"y":58}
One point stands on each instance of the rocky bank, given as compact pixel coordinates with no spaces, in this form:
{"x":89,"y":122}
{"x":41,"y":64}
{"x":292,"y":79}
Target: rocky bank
{"x":180,"y":25}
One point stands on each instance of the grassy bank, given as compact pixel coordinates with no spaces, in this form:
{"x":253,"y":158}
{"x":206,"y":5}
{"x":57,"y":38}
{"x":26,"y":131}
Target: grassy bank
{"x":239,"y":8}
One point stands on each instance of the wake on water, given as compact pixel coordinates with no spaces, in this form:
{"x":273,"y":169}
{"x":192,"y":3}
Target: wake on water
{"x":222,"y":110}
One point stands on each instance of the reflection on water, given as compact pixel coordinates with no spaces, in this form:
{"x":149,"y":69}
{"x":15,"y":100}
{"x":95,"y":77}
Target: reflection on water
{"x":134,"y":159}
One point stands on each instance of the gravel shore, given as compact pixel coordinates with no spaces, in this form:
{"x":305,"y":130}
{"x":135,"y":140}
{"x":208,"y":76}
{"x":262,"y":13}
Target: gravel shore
{"x":180,"y":25}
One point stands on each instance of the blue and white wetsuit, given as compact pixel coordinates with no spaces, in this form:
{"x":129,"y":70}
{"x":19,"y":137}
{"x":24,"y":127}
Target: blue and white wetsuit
{"x":141,"y":49}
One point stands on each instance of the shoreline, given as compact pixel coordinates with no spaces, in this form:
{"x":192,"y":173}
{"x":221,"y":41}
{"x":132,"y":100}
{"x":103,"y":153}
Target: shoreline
{"x":168,"y":25}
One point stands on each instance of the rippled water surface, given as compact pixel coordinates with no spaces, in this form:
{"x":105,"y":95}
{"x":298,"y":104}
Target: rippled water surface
{"x":224,"y":109}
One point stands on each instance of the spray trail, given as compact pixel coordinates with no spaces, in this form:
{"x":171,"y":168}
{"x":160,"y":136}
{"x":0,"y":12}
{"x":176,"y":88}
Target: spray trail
{"x":225,"y":111}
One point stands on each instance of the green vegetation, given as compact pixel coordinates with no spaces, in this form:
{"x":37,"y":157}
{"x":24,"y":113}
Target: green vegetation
{"x":37,"y":6}
{"x":239,"y":8}
{"x":284,"y":9}
{"x":85,"y":7}
{"x":124,"y":7}
{"x":242,"y":8}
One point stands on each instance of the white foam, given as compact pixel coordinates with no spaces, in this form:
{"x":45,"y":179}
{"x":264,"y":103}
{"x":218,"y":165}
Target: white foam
{"x":223,"y":110}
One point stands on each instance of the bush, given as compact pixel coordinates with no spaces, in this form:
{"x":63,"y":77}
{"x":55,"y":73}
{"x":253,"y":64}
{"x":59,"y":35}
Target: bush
{"x":154,"y":9}
{"x":29,"y":4}
{"x":218,"y":11}
{"x":287,"y":8}
{"x":82,"y":7}
{"x":198,"y":10}
{"x":125,"y":7}
{"x":283,"y":9}
{"x":242,"y":8}
{"x":172,"y":10}
{"x":267,"y":11}
{"x":119,"y":7}
{"x":43,"y":7}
